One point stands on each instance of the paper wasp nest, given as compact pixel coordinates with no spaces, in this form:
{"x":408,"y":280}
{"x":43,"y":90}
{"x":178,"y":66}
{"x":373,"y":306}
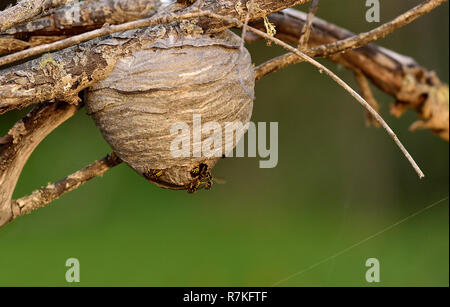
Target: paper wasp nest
{"x":176,"y":77}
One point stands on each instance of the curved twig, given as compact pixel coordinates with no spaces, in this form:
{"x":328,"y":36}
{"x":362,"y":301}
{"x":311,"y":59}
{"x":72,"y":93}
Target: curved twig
{"x":352,"y":42}
{"x":306,"y":31}
{"x":366,"y":92}
{"x":358,"y":97}
{"x":411,"y":85}
{"x":23,"y":138}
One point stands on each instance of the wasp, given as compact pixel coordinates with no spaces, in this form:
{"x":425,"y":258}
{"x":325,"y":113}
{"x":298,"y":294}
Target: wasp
{"x":187,"y":2}
{"x":153,"y":174}
{"x":201,"y":176}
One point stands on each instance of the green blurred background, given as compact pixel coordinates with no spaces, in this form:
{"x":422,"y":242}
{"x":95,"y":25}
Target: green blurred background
{"x":337,"y":183}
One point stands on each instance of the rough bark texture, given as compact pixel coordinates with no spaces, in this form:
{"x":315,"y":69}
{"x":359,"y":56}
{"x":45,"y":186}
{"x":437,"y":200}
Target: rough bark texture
{"x":90,"y":14}
{"x":93,"y":14}
{"x":60,"y":75}
{"x":75,"y":19}
{"x":25,"y":10}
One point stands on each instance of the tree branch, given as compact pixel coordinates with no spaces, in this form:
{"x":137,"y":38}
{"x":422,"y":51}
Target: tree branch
{"x":94,"y":14}
{"x":21,"y":141}
{"x":290,"y":20}
{"x":87,"y":15}
{"x":306,"y":30}
{"x":78,"y":39}
{"x":25,"y":10}
{"x":74,"y":19}
{"x":344,"y":85}
{"x":412,"y":85}
{"x":238,"y":9}
{"x":366,"y":92}
{"x":212,"y":25}
{"x":43,"y":196}
{"x":61,"y":76}
{"x":64,"y":73}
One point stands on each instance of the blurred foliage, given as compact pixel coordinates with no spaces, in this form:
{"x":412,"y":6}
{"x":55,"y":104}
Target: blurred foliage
{"x":337,"y":182}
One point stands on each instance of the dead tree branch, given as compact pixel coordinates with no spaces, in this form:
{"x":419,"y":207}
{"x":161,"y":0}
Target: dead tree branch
{"x":78,"y":39}
{"x":25,"y":10}
{"x":86,"y":15}
{"x":43,"y":196}
{"x":219,"y":7}
{"x":22,"y":139}
{"x":89,"y":15}
{"x":306,"y":30}
{"x":95,"y":14}
{"x":412,"y":86}
{"x":344,"y":85}
{"x":74,"y":19}
{"x":238,"y":9}
{"x":366,"y":92}
{"x":290,"y":19}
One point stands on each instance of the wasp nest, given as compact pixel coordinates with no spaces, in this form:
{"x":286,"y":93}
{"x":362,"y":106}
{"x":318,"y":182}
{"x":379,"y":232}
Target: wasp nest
{"x":171,"y":81}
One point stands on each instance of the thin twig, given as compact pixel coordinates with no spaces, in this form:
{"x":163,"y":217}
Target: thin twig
{"x":380,"y":32}
{"x":358,"y":97}
{"x":366,"y":92}
{"x":247,"y":19}
{"x":306,"y":31}
{"x":353,"y":42}
{"x":386,"y":69}
{"x":43,"y":196}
